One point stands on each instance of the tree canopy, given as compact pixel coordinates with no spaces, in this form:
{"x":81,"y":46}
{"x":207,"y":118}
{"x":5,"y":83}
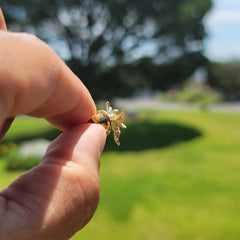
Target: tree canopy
{"x":117,"y":46}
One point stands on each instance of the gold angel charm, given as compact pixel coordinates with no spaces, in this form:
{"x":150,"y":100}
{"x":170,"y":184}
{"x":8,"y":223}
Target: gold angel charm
{"x":110,"y":119}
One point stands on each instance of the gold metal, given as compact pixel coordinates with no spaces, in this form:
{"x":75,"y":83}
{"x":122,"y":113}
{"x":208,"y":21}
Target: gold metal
{"x":110,"y":119}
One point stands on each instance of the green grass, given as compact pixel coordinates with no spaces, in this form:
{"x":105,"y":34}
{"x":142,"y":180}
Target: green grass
{"x":26,"y":126}
{"x":176,"y":176}
{"x":6,"y":177}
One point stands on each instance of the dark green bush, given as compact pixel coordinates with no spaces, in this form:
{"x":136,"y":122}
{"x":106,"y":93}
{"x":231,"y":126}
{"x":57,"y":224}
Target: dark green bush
{"x":15,"y":161}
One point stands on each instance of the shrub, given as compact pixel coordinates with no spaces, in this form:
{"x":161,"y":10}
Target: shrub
{"x":6,"y":148}
{"x":199,"y":94}
{"x":202,"y":95}
{"x":15,"y":161}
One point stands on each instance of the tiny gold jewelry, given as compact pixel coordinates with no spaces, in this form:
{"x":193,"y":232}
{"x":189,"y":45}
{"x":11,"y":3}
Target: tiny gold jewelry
{"x":110,"y":119}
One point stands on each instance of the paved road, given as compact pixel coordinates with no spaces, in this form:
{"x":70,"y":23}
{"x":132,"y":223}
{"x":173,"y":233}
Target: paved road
{"x":132,"y":104}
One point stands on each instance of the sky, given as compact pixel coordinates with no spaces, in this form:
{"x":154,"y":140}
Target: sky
{"x":223,"y":27}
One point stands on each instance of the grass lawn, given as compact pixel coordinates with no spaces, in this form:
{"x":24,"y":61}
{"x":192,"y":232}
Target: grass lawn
{"x":176,"y":176}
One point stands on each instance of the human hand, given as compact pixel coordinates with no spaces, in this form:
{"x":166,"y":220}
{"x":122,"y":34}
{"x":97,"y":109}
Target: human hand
{"x":57,"y":198}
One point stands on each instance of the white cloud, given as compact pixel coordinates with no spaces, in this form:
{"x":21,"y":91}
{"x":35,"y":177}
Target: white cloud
{"x":223,"y":26}
{"x":227,"y":3}
{"x":223,"y":11}
{"x":224,"y":16}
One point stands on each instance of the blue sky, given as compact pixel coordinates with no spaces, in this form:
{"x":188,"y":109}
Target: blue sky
{"x":223,"y":27}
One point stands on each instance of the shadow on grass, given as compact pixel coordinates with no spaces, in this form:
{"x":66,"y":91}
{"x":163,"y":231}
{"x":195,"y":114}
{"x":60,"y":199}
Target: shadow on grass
{"x":49,"y":134}
{"x":145,"y":135}
{"x":138,"y":136}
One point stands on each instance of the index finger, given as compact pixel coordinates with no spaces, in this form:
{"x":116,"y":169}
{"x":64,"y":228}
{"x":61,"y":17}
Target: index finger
{"x":36,"y":82}
{"x":2,"y":21}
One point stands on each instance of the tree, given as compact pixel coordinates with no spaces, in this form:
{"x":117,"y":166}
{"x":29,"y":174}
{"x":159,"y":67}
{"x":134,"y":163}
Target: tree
{"x":226,"y":78}
{"x":116,"y":46}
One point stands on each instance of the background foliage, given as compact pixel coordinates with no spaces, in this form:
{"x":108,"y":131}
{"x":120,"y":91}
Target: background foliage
{"x":119,"y":46}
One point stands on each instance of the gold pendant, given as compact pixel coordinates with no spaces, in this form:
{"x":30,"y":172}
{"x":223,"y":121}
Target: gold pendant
{"x":110,"y":119}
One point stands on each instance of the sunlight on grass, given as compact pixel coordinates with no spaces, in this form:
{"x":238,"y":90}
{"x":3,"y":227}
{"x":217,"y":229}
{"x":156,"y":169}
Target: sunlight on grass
{"x":26,"y":125}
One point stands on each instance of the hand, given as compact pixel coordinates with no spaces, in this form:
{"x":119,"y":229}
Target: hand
{"x":57,"y":198}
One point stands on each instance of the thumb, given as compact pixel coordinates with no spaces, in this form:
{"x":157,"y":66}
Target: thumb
{"x":58,"y":197}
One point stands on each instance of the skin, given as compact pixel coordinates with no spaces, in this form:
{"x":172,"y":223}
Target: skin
{"x":58,"y":197}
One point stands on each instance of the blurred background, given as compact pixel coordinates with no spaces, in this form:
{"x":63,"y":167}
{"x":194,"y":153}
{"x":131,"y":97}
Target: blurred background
{"x":174,"y":67}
